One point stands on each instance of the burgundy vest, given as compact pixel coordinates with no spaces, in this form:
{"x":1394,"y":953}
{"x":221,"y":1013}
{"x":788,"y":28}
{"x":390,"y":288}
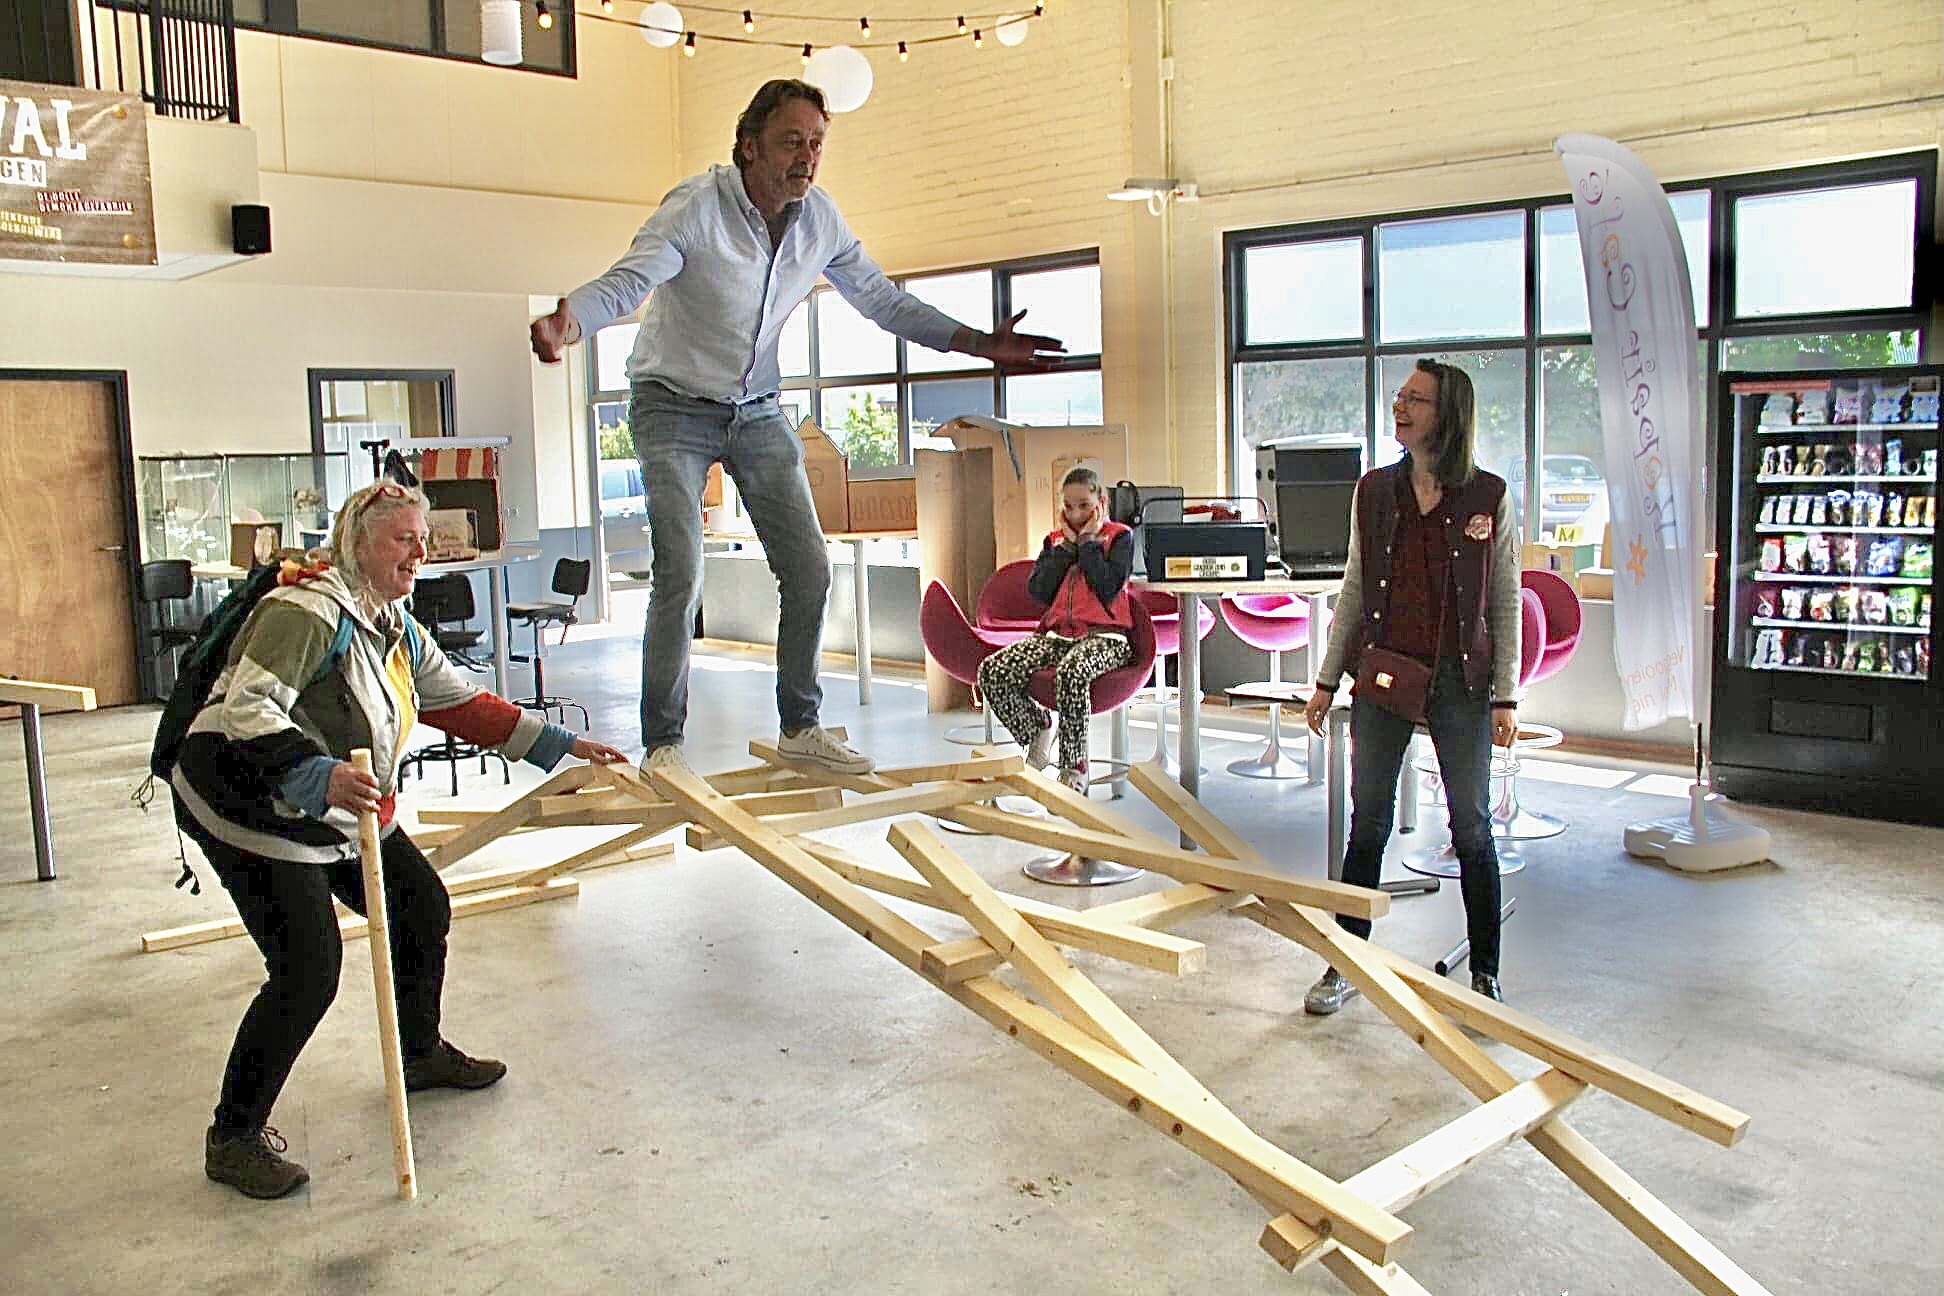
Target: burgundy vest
{"x":1076,"y":609}
{"x":1471,"y":561}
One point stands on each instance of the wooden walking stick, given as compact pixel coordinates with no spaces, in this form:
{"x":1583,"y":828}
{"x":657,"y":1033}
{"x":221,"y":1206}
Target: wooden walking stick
{"x":381,"y":982}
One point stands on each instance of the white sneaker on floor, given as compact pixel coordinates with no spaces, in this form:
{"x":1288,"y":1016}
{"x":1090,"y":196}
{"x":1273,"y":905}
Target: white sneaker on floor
{"x":1040,"y":754}
{"x":816,"y":745}
{"x":666,"y":757}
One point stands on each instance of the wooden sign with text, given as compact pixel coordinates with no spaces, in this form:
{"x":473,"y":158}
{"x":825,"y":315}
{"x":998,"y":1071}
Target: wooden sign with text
{"x":74,"y":176}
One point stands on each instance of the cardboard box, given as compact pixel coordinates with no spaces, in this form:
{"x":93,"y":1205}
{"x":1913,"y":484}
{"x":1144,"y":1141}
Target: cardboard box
{"x":253,"y":544}
{"x":1564,"y":559}
{"x":1026,"y":497}
{"x":1596,"y":583}
{"x":828,"y":469}
{"x":883,"y":504}
{"x":453,"y":535}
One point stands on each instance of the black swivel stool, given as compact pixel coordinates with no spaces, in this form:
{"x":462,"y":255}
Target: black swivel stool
{"x":167,"y":581}
{"x":571,"y":577}
{"x":443,"y":605}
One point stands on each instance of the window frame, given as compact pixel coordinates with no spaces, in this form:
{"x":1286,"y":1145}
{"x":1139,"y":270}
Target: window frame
{"x":280,"y":18}
{"x":1720,"y":325}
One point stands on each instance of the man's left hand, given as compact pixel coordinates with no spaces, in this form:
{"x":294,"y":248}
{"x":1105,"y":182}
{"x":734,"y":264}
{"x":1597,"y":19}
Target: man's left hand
{"x":1010,"y":350}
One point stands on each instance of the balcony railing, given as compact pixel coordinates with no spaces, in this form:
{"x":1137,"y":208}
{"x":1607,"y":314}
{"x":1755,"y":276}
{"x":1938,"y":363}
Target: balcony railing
{"x":179,"y":55}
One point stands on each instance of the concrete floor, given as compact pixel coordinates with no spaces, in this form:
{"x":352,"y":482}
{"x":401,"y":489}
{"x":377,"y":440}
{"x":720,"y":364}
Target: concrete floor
{"x":716,"y":1088}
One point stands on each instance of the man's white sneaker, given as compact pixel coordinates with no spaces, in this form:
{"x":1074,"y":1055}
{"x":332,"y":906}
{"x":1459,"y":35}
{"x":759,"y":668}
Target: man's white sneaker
{"x":666,"y":757}
{"x":1040,"y":754}
{"x":816,"y":745}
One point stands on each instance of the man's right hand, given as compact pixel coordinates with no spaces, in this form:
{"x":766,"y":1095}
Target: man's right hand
{"x":352,"y":789}
{"x":553,"y":334}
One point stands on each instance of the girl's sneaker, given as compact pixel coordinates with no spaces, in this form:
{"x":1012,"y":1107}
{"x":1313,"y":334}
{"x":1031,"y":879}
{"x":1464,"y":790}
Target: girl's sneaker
{"x":1075,"y":779}
{"x":1040,"y":753}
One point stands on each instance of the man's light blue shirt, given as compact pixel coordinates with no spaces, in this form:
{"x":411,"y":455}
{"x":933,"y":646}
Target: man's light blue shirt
{"x":718,"y":295}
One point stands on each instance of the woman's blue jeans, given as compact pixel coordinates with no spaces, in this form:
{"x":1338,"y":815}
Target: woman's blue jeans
{"x":1461,"y":732}
{"x":677,"y":438}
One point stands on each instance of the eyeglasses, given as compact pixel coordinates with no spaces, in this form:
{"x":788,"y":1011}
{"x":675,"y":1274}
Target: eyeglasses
{"x":1404,"y":397}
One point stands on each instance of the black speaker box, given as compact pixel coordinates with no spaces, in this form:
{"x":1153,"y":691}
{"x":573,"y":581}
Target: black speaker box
{"x":250,"y":228}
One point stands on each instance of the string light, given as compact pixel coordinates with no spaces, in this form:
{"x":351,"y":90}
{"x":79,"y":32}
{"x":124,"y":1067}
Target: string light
{"x":1039,"y":8}
{"x":961,"y":25}
{"x":669,"y":35}
{"x":865,"y":24}
{"x":806,"y":54}
{"x":545,"y":15}
{"x":978,"y":39}
{"x":749,"y":21}
{"x":904,"y":55}
{"x":688,"y":46}
{"x":607,"y":6}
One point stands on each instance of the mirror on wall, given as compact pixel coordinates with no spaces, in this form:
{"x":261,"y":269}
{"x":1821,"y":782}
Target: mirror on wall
{"x":353,"y":407}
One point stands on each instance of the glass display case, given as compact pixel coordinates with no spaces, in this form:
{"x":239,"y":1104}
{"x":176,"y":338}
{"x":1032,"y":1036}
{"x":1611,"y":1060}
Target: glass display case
{"x":188,"y":501}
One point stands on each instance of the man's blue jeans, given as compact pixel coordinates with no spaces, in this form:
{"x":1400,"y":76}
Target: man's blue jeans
{"x":1461,"y":733}
{"x":677,"y":438}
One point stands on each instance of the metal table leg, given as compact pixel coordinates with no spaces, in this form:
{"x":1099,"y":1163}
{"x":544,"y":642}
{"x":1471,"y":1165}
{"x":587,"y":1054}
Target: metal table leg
{"x":1319,"y":621}
{"x":30,"y":732}
{"x":861,"y":615}
{"x":1338,"y":793}
{"x":497,"y":596}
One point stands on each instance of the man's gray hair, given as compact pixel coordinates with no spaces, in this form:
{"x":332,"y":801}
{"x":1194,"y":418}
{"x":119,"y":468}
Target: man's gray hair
{"x":362,"y":513}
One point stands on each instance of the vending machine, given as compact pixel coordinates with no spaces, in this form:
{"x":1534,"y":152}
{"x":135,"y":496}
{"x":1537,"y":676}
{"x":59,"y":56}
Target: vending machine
{"x":1825,"y":686}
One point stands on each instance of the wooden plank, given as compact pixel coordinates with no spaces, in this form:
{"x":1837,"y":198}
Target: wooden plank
{"x":1668,"y":1099}
{"x":1367,"y":1279}
{"x":924,"y":799}
{"x":1075,"y":808}
{"x":1159,"y":909}
{"x":1669,"y":1236}
{"x":1185,"y":866}
{"x":755,"y":778}
{"x":511,"y":816}
{"x":611,"y":849}
{"x":957,"y":771}
{"x":48,"y":697}
{"x":642,"y":813}
{"x":351,"y":926}
{"x":956,"y":961}
{"x":1202,"y":1126}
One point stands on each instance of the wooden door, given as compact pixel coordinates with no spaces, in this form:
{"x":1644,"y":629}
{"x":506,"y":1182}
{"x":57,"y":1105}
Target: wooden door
{"x":65,"y":612}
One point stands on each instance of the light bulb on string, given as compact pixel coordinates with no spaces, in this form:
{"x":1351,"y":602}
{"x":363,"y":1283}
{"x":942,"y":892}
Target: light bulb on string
{"x":544,"y":15}
{"x":749,"y":21}
{"x":864,"y":24}
{"x":904,"y":55}
{"x":1039,"y":8}
{"x":961,"y":25}
{"x":688,"y":46}
{"x":806,"y":55}
{"x":978,"y":39}
{"x":607,"y":6}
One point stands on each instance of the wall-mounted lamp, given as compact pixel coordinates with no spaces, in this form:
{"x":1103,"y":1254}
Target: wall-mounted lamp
{"x":1156,"y":193}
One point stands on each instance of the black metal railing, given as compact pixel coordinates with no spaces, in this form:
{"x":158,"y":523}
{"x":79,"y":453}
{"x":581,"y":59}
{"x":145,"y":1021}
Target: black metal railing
{"x":180,"y":55}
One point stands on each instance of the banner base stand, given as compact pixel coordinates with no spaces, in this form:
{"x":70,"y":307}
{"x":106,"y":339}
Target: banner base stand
{"x":1705,"y":840}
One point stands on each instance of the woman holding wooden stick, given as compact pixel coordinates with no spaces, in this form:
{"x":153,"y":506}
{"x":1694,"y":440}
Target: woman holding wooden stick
{"x":328,"y":662}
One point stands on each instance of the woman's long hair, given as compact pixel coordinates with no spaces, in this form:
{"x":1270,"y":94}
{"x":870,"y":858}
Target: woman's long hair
{"x":1456,"y":438}
{"x":362,"y":512}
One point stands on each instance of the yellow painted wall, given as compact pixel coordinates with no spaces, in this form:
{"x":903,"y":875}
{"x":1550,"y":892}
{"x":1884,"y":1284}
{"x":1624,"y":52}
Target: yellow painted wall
{"x":1290,"y":113}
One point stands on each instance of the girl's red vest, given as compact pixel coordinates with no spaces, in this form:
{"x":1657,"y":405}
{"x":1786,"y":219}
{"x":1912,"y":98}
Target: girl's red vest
{"x":1076,"y":609}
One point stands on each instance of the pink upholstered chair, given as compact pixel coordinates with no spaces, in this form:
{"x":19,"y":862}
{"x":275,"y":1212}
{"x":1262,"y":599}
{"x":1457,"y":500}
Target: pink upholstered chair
{"x":1275,"y":624}
{"x":1005,"y":610}
{"x":1165,"y":612}
{"x":1559,"y":638}
{"x":959,"y":647}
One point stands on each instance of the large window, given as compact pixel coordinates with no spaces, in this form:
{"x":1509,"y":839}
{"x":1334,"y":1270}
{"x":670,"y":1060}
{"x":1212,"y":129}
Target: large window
{"x":1816,"y":268}
{"x":441,"y":28}
{"x":879,"y":398}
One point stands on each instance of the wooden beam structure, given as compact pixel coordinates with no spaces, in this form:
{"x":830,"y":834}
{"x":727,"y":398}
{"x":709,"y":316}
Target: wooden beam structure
{"x":1349,"y":1228}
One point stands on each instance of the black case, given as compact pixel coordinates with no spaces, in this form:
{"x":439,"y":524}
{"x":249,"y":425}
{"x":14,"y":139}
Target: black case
{"x":1166,"y":534}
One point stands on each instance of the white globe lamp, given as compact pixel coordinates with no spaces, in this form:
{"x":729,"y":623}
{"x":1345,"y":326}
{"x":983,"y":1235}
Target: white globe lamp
{"x":661,"y":24}
{"x":843,"y":74}
{"x":1014,"y":32}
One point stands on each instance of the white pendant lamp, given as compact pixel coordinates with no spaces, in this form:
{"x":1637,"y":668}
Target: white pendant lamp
{"x":661,"y":24}
{"x":843,"y":74}
{"x":499,"y":31}
{"x":1012,"y":33}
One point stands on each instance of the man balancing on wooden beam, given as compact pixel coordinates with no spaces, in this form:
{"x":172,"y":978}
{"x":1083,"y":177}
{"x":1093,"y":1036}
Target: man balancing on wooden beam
{"x":728,"y":256}
{"x":331,"y":661}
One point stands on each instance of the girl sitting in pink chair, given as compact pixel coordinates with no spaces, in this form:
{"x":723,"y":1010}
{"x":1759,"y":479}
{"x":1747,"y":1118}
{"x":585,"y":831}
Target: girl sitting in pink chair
{"x":1080,"y":577}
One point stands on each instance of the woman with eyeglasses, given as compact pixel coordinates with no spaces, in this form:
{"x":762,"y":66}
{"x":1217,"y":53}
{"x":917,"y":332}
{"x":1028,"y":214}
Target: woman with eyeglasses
{"x":328,"y":662}
{"x":1427,"y":624}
